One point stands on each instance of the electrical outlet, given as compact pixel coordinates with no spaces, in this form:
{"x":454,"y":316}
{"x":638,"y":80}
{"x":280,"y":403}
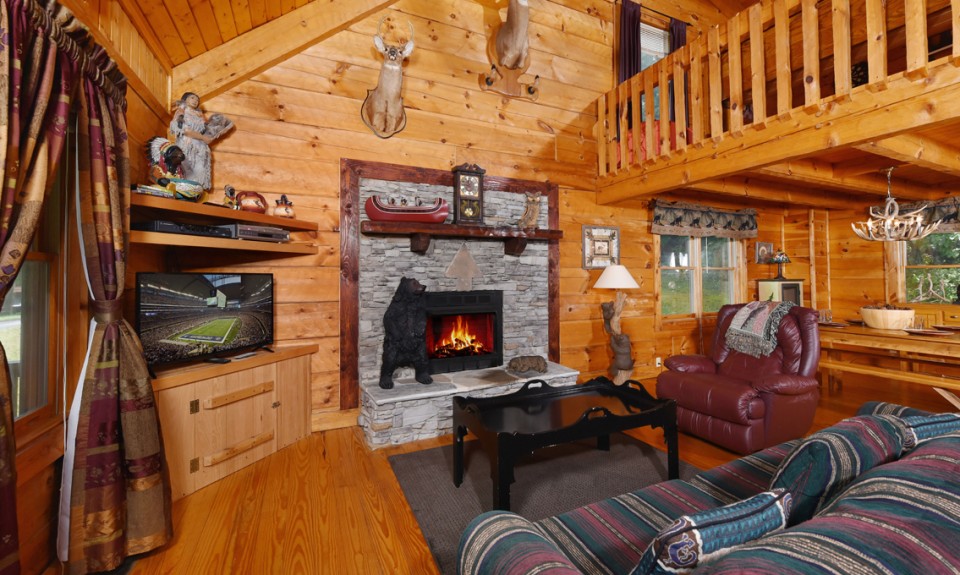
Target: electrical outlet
{"x":657,"y":362}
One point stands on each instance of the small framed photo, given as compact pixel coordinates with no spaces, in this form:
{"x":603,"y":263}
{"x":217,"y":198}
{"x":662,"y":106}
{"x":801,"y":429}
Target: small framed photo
{"x":601,"y":246}
{"x":764,"y":252}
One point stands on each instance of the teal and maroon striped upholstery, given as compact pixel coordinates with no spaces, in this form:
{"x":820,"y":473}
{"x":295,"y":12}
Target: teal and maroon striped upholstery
{"x":744,"y":477}
{"x":503,"y":542}
{"x":901,"y":518}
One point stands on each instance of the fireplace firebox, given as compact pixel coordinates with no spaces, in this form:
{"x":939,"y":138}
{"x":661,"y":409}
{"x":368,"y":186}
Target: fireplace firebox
{"x":464,"y":330}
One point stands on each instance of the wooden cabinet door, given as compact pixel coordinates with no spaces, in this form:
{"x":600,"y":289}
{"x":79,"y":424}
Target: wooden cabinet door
{"x":293,"y":396}
{"x":236,"y":424}
{"x":177,"y":429}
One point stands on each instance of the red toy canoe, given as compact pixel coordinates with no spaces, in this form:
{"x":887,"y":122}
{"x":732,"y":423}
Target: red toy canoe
{"x":381,"y":211}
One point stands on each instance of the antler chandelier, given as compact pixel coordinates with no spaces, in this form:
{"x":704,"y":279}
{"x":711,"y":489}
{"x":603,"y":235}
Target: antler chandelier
{"x":891,"y":225}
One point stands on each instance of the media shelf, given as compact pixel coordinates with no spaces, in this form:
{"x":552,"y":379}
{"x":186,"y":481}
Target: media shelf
{"x":145,"y":207}
{"x":515,"y":239}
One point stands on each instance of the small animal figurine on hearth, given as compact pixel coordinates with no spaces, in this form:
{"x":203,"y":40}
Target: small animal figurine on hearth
{"x":284,"y":208}
{"x":532,"y":211}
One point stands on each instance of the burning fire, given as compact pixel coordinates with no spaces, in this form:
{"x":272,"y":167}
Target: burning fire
{"x":459,"y":341}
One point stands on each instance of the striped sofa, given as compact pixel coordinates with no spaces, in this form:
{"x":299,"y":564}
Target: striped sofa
{"x":900,"y":517}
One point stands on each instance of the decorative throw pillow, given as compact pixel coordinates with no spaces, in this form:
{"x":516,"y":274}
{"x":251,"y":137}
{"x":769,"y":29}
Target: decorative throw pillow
{"x":920,"y":428}
{"x":823,"y":464}
{"x":696,"y":539}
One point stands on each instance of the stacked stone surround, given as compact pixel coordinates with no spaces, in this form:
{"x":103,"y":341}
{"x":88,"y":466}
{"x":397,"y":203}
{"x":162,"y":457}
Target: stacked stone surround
{"x":384,"y":260}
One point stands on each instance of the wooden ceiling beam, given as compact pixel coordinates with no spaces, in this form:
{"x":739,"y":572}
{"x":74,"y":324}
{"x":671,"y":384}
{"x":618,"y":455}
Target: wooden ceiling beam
{"x":821,"y":175}
{"x":918,"y":151}
{"x":229,"y":64}
{"x":865,"y":165}
{"x":766,"y":191}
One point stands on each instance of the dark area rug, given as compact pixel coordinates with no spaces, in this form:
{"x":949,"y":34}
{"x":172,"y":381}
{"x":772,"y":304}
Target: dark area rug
{"x":552,"y":481}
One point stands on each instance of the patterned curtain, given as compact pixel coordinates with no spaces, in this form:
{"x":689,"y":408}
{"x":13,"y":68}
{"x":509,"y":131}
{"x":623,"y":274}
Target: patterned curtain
{"x":682,"y":219}
{"x":38,"y":81}
{"x":115,"y":499}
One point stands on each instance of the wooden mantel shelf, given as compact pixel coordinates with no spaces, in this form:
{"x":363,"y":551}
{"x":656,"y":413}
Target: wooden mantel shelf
{"x":515,"y":239}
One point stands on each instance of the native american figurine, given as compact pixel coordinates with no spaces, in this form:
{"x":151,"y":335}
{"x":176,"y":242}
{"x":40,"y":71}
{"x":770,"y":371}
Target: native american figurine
{"x":193,"y":133}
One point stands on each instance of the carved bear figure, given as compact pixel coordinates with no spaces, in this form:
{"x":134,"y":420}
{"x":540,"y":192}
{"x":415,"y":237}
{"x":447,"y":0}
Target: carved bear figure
{"x":404,"y":330}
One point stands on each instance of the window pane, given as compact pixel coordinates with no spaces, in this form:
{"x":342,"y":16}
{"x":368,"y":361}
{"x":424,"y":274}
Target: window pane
{"x":715,"y":252}
{"x":717,"y":289}
{"x":934,"y":250}
{"x":676,"y":289}
{"x":674,"y":251}
{"x":932,"y":285}
{"x":24,"y":333}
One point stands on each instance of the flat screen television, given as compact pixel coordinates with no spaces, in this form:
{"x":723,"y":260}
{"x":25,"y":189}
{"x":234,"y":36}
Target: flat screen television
{"x":193,"y":316}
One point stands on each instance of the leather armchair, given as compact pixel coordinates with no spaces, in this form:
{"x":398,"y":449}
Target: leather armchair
{"x":744,"y":403}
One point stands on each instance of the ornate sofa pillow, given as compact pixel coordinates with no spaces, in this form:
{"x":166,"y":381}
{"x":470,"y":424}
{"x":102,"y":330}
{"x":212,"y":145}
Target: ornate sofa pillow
{"x":702,"y":537}
{"x":823,"y":464}
{"x":921,"y":428}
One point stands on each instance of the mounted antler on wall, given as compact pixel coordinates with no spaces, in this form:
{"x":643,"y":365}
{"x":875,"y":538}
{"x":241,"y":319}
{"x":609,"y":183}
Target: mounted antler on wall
{"x":382,"y":110}
{"x":509,"y":55}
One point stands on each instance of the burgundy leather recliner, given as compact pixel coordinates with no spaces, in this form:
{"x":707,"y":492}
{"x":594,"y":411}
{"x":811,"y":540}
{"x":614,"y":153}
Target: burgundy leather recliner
{"x":744,"y":403}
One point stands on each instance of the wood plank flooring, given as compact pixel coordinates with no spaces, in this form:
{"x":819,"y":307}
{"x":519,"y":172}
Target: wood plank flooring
{"x":330,"y":505}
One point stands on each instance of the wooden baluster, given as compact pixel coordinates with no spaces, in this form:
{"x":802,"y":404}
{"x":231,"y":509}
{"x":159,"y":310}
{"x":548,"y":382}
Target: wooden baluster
{"x":664,"y":69}
{"x":611,"y":141}
{"x":782,"y":47}
{"x":679,"y":98}
{"x":635,"y":98}
{"x":648,"y":133}
{"x":601,"y":136}
{"x":696,"y":91}
{"x":714,"y":84}
{"x":955,"y":13}
{"x":624,"y":163}
{"x":735,"y":62}
{"x":758,"y":78}
{"x":915,"y":25}
{"x":877,"y":45}
{"x":811,"y":56}
{"x":842,"y":72}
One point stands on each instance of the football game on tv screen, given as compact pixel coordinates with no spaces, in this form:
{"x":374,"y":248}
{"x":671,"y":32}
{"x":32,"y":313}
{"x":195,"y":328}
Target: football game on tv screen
{"x":192,"y":316}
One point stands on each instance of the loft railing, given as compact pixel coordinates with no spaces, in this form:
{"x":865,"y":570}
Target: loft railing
{"x":800,"y":55}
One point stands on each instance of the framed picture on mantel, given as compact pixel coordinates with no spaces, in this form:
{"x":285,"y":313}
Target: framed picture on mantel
{"x":601,"y":246}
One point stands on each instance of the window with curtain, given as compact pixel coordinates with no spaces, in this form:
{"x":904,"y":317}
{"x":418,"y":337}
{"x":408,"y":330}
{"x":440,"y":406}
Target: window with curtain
{"x":654,"y":45}
{"x":932,"y":268}
{"x":31,"y":316}
{"x":697,"y":274}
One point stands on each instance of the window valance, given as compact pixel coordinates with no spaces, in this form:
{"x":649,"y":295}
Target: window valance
{"x":947,"y":211}
{"x":683,"y":219}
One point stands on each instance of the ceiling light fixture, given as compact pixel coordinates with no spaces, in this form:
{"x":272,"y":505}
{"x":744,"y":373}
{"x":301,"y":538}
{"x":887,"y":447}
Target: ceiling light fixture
{"x":891,"y":225}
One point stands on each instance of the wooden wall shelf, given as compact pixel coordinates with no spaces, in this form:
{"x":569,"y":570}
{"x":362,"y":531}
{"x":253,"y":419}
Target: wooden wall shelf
{"x":144,"y":207}
{"x":515,"y":239}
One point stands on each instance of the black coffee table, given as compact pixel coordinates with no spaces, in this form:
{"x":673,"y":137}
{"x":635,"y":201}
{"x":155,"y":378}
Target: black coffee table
{"x":511,"y":426}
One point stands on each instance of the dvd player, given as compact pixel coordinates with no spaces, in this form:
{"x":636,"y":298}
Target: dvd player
{"x":261,"y":233}
{"x":168,"y":227}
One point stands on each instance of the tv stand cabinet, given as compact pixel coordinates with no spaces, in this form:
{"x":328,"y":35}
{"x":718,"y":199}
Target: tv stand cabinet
{"x":218,"y":418}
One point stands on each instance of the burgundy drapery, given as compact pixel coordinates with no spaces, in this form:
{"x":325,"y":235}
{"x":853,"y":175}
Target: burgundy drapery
{"x":39,"y":82}
{"x":115,"y":499}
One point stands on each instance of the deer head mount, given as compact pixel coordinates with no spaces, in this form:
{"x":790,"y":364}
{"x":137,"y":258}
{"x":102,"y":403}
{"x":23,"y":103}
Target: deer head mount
{"x":509,"y":55}
{"x":382,"y":110}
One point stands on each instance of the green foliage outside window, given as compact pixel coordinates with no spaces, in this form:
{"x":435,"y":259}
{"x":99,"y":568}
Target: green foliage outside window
{"x":683,"y":262}
{"x":932,"y":272}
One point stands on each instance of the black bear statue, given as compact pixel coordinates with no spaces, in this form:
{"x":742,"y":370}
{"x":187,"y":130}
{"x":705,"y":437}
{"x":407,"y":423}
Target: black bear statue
{"x":404,"y":333}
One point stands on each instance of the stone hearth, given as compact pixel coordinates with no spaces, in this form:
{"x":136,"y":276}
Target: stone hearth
{"x":412,"y":411}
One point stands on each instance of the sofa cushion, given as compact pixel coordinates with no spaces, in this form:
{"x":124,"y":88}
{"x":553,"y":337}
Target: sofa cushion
{"x":746,"y":476}
{"x":610,"y":536}
{"x":483,"y":549}
{"x":923,"y":428}
{"x":824,"y":463}
{"x":695,"y":539}
{"x":902,"y":517}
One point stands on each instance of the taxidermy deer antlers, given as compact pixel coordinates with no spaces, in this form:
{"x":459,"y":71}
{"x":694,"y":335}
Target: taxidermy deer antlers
{"x":509,"y":54}
{"x":382,"y":110}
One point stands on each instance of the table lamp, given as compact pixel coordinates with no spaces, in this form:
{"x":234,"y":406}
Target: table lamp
{"x":617,"y":277}
{"x":779,"y":258}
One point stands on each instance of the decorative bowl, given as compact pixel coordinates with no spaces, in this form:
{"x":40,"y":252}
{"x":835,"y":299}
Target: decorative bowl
{"x":887,"y":318}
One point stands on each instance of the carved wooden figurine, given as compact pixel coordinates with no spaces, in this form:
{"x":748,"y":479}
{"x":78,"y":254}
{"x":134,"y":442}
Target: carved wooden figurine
{"x":382,"y":110}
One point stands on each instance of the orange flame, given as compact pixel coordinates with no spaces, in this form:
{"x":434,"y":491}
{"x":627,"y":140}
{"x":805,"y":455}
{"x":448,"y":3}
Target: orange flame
{"x":460,"y":339}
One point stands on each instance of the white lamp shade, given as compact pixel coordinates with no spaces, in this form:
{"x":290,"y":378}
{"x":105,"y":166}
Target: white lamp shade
{"x":616,"y":277}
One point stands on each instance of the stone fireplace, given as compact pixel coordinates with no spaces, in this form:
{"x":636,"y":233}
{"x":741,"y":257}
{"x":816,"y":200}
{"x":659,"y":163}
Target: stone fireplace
{"x":508,"y":303}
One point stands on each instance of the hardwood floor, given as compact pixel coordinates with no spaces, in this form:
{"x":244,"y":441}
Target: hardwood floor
{"x":328,"y":504}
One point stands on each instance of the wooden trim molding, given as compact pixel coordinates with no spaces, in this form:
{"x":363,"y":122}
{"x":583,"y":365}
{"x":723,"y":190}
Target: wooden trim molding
{"x":350,"y":173}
